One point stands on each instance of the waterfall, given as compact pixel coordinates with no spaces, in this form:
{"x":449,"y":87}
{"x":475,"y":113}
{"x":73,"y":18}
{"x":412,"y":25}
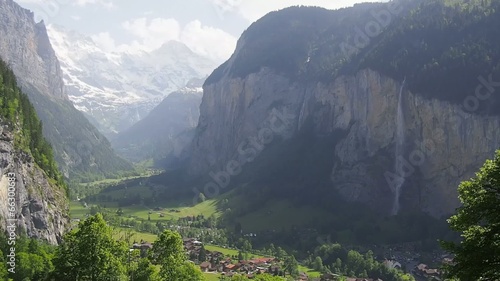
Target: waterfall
{"x":400,"y":140}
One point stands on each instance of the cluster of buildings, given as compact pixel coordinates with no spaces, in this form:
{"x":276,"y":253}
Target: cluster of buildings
{"x":216,"y":262}
{"x":422,"y":270}
{"x":335,"y":277}
{"x":246,"y":267}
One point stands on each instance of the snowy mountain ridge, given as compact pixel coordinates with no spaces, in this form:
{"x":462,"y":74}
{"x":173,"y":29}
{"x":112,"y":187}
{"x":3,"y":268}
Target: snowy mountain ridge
{"x":115,"y":90}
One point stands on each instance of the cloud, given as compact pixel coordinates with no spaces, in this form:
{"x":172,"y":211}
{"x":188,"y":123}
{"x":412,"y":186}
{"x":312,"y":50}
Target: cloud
{"x":150,"y":34}
{"x":255,"y":9}
{"x":105,"y":41}
{"x":224,"y":6}
{"x":208,"y":41}
{"x":105,"y":3}
{"x":153,"y":33}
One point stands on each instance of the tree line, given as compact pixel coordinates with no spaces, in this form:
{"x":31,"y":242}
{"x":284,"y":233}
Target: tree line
{"x":18,"y":112}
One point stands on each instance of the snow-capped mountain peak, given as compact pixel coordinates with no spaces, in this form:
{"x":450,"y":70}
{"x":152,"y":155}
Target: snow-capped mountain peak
{"x":115,"y":90}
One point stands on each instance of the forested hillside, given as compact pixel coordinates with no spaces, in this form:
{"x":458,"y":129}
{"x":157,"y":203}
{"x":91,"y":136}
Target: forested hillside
{"x":28,"y":171}
{"x":80,"y":150}
{"x":353,"y":120}
{"x":16,"y":109}
{"x":442,"y":48}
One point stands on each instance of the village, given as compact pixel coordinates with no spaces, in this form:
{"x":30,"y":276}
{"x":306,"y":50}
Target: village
{"x":216,"y":262}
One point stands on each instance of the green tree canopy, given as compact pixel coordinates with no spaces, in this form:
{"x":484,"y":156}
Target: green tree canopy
{"x":3,"y":267}
{"x":291,"y":266}
{"x":477,"y":256}
{"x":91,"y":253}
{"x":168,"y":251}
{"x":145,"y":271}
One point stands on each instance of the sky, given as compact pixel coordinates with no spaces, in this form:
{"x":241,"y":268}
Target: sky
{"x":209,"y":27}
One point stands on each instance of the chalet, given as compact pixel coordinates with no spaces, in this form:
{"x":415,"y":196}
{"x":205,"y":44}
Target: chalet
{"x":205,"y":266}
{"x":434,"y":272}
{"x":231,"y":267}
{"x":447,"y":261}
{"x":303,"y":276}
{"x":425,"y":271}
{"x":142,"y":246}
{"x":247,"y":267}
{"x":329,"y":277}
{"x":392,"y":264}
{"x":421,"y":267}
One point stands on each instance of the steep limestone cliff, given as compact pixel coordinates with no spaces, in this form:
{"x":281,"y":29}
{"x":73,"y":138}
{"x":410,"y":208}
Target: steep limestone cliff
{"x":28,"y":51}
{"x":394,"y":146}
{"x":79,"y":149}
{"x":41,"y":206}
{"x":442,"y":144}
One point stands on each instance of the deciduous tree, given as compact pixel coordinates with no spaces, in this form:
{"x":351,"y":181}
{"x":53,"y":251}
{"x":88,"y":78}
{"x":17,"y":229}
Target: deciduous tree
{"x":146,"y":271}
{"x":91,"y":253}
{"x":477,"y":256}
{"x":168,"y":252}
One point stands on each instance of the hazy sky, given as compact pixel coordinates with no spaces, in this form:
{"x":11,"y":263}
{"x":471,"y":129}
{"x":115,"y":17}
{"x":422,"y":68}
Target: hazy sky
{"x":209,"y":27}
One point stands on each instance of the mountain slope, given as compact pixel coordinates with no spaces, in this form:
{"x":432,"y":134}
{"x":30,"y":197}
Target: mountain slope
{"x":27,"y":165}
{"x":79,"y":149}
{"x":118,"y":89}
{"x":291,"y":114}
{"x":166,"y":130}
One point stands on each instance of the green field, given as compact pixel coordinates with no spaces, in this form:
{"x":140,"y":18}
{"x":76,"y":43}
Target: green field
{"x":310,"y":272}
{"x":120,"y":233}
{"x":211,"y":276}
{"x":77,"y":210}
{"x":207,"y":209}
{"x":225,"y":251}
{"x":229,"y":252}
{"x":144,"y":174}
{"x":279,"y":214}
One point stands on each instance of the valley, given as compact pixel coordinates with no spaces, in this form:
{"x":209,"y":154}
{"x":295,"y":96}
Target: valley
{"x":142,"y":219}
{"x":294,"y":143}
{"x":174,"y":218}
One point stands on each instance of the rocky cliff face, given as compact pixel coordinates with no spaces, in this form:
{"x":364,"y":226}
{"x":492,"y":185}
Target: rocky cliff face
{"x":79,"y":149}
{"x":28,"y":50}
{"x":41,"y":206}
{"x":440,"y":145}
